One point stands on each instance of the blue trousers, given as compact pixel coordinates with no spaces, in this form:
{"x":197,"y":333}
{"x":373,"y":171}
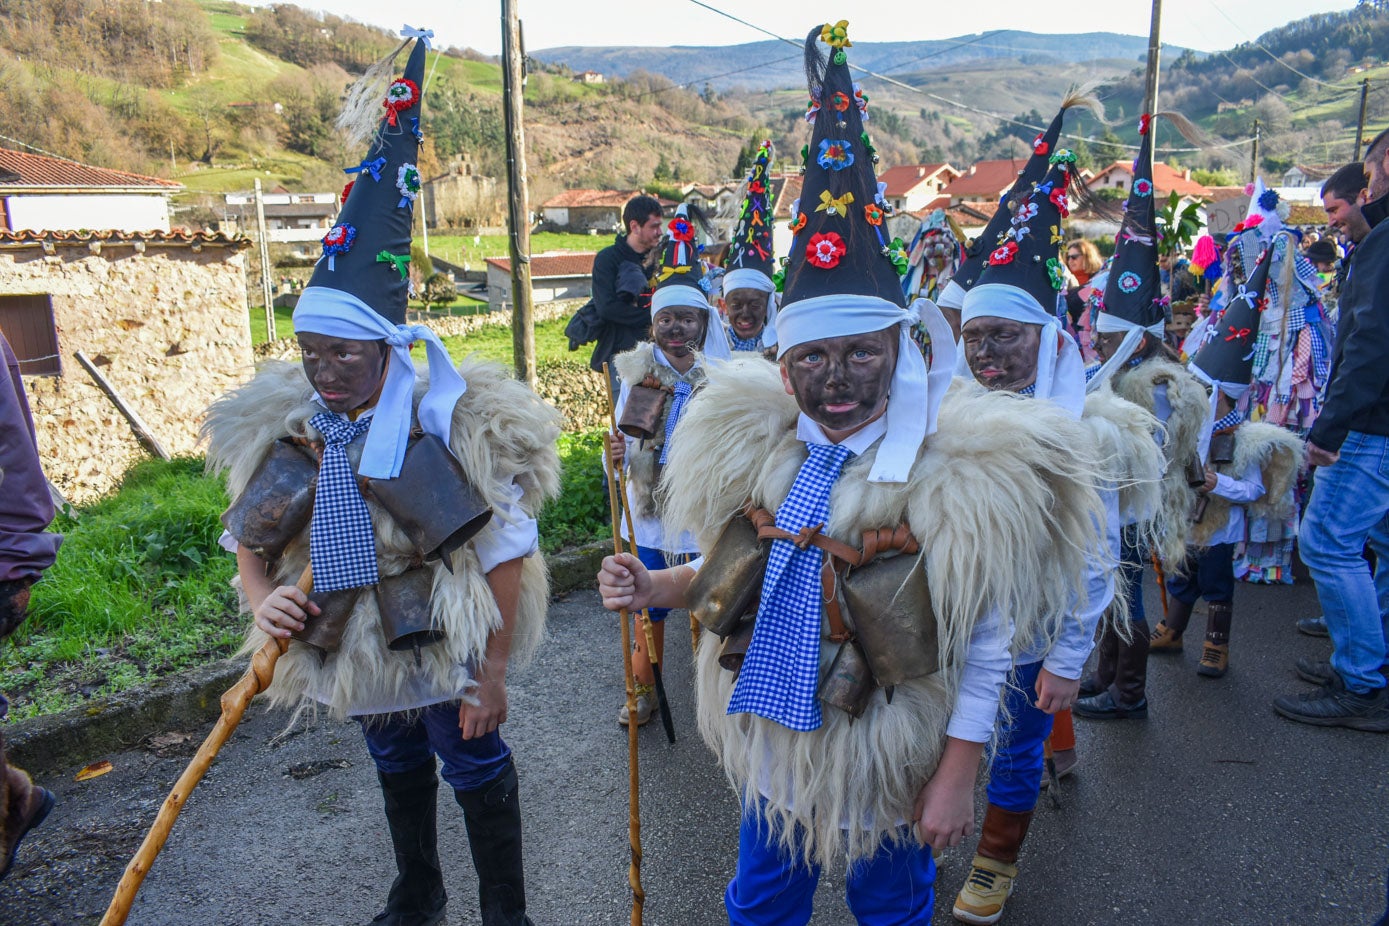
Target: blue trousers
{"x":1209,"y":574}
{"x":654,"y":559}
{"x":403,"y":742}
{"x":1015,"y":774}
{"x":1349,"y":507}
{"x":1131,"y":568}
{"x":895,"y":887}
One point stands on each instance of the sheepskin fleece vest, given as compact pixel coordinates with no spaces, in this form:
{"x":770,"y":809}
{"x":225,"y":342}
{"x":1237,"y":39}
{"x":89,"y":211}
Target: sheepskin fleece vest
{"x":1003,"y":501}
{"x":1278,"y":454}
{"x":501,"y":432}
{"x":643,"y":469}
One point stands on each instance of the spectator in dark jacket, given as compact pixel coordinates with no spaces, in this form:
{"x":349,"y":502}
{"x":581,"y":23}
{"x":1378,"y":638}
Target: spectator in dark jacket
{"x":621,"y":294}
{"x":1343,"y":196}
{"x":26,"y":550}
{"x":1349,"y":506}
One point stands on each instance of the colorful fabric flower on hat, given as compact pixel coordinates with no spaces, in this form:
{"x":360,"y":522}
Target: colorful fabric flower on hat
{"x":1130,"y":281}
{"x":1254,"y":221}
{"x":1062,"y":156}
{"x":835,"y":154}
{"x":825,"y":249}
{"x":1026,"y":212}
{"x":873,"y":214}
{"x":797,"y":223}
{"x":400,"y":96}
{"x":1059,"y":200}
{"x":834,"y":205}
{"x":1055,"y":274}
{"x":812,"y":108}
{"x":779,"y":276}
{"x":840,"y":101}
{"x":1268,"y":200}
{"x":861,"y":99}
{"x":868,"y":146}
{"x":836,"y":35}
{"x":407,"y":181}
{"x":347,"y":188}
{"x":1144,"y":121}
{"x":1143,"y":187}
{"x":681,"y":229}
{"x":1249,"y":189}
{"x":1040,"y":146}
{"x":1004,"y":254}
{"x":338,"y":241}
{"x":896,"y":252}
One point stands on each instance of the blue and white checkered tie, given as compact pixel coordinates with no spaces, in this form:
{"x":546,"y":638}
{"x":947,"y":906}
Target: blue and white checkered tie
{"x":677,"y":408}
{"x":342,"y":545}
{"x":738,"y":343}
{"x":781,"y":671}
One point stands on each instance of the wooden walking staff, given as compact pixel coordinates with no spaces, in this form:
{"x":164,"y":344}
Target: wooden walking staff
{"x":1162,"y":583}
{"x":234,"y":703}
{"x":633,"y":782}
{"x":662,"y":705}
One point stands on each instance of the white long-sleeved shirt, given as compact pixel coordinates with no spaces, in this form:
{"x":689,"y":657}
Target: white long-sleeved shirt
{"x":1249,"y":487}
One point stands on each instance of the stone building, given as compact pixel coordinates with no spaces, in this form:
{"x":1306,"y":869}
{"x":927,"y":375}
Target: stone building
{"x":163,"y":315}
{"x":462,"y":198}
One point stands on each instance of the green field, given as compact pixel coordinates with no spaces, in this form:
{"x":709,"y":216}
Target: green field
{"x":459,"y":249}
{"x":494,"y":343}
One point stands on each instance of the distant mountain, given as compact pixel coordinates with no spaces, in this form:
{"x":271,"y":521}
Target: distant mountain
{"x":773,"y":65}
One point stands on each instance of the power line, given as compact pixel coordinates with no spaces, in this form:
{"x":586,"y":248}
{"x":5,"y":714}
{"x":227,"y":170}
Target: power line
{"x":25,"y":144}
{"x":957,"y":103}
{"x":1256,"y":44}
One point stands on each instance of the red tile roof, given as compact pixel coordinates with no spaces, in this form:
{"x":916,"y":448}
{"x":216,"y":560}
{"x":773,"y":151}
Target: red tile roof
{"x":1166,"y":178}
{"x":786,"y":188}
{"x":575,"y":198}
{"x":551,"y":265}
{"x":987,"y":180}
{"x":973,"y":213}
{"x":902,"y":180}
{"x":20,"y":169}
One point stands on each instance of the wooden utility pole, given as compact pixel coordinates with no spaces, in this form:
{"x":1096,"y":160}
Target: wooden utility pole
{"x":265,"y":288}
{"x":1360,"y":124}
{"x":1254,"y":154}
{"x":518,"y":202}
{"x":1150,"y":88}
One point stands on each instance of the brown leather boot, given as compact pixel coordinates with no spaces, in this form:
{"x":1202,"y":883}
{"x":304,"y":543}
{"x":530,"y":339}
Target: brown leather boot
{"x":1215,"y":653}
{"x":1106,"y":658}
{"x":26,"y":806}
{"x":1127,"y":697}
{"x":1167,"y":638}
{"x":994,"y":870}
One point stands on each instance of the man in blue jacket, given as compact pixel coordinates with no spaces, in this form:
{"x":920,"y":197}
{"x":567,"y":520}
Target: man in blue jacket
{"x":1350,"y":501}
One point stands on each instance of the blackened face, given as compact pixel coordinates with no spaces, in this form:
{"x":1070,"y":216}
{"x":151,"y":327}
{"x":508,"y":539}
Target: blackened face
{"x":347,"y":374}
{"x":679,"y":330}
{"x":842,"y":383}
{"x":1107,"y":344}
{"x":747,"y":312}
{"x":1001,"y":353}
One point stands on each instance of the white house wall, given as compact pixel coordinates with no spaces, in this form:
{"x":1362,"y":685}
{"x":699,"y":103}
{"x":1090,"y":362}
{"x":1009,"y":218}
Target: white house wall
{"x":131,"y":212}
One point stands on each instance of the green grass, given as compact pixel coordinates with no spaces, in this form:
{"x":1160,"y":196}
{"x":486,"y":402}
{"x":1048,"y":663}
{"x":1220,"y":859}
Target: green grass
{"x":579,"y":515}
{"x":458,"y":249}
{"x":494,"y":343}
{"x":139,"y":589}
{"x":283,"y":324}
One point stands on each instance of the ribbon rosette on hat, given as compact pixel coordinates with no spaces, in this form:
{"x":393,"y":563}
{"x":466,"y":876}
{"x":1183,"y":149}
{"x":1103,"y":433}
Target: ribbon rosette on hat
{"x":1026,"y":213}
{"x":839,"y":101}
{"x":1039,"y":144}
{"x":1060,"y":201}
{"x":400,"y":96}
{"x":346,"y":188}
{"x":1143,"y":187}
{"x":835,"y":154}
{"x":825,"y":250}
{"x":873,"y":214}
{"x":407,"y":180}
{"x":797,"y":223}
{"x":1056,"y":274}
{"x":1268,"y":200}
{"x":896,"y":251}
{"x":681,"y":229}
{"x":812,"y":108}
{"x":1004,"y":253}
{"x":1130,"y":281}
{"x":338,"y":241}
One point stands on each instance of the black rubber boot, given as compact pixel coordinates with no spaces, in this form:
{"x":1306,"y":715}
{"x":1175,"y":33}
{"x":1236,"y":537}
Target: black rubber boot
{"x":492,"y":815}
{"x":417,"y":896}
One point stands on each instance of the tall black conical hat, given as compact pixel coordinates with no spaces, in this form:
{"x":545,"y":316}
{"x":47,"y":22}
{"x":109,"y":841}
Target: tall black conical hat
{"x":1133,"y":290}
{"x":841,"y":245}
{"x":1025,"y":253}
{"x":751,"y":248}
{"x":1228,"y":357}
{"x":680,"y":264}
{"x":367,"y":253}
{"x":1047,"y":142}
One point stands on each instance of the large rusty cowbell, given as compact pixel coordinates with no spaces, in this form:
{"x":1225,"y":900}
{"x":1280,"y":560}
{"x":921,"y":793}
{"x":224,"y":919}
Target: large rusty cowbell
{"x":407,"y":619}
{"x":277,"y":502}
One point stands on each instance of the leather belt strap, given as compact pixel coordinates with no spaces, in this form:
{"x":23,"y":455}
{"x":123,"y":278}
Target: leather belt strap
{"x":651,"y":382}
{"x":837,"y":556}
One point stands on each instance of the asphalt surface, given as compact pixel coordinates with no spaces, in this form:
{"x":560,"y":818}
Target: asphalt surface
{"x":1214,"y":810}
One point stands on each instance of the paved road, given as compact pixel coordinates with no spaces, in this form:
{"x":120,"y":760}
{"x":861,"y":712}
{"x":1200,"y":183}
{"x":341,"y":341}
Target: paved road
{"x":1213,"y":811}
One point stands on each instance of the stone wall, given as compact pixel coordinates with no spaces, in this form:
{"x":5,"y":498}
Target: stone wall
{"x":165,"y":320}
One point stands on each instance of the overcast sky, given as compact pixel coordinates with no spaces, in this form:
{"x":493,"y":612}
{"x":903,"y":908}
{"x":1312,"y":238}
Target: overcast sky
{"x":1208,"y":25}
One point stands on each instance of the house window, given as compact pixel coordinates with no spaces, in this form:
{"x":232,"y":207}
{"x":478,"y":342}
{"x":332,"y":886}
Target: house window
{"x":27,"y":323}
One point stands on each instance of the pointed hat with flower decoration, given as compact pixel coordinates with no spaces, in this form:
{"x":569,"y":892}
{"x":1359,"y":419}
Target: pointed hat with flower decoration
{"x":1227,"y":357}
{"x":680,"y":282}
{"x":842,"y":277}
{"x":360,"y":286}
{"x":1023,"y":281}
{"x":1043,"y":146}
{"x":750,"y":254}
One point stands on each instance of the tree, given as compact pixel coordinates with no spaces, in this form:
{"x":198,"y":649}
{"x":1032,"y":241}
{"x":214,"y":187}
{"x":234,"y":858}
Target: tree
{"x":211,"y":115}
{"x":439,"y":289}
{"x":663,"y":171}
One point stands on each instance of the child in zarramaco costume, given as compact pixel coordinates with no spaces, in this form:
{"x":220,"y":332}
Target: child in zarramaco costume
{"x":853,"y":724}
{"x":418,"y":518}
{"x":1246,"y":464}
{"x":1013,"y":341}
{"x":1138,"y":367}
{"x":976,"y":260}
{"x":749,"y":295}
{"x":658,"y":378}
